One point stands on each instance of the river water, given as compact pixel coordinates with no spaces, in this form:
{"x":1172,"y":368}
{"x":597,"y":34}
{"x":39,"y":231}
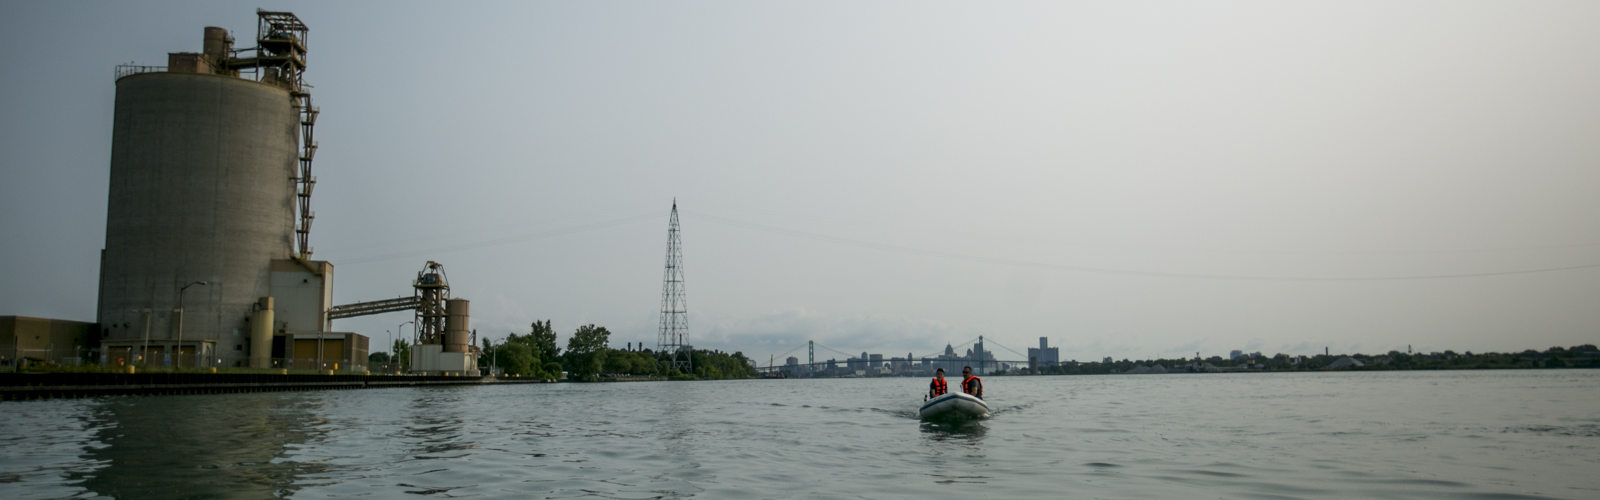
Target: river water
{"x":1457,"y":434}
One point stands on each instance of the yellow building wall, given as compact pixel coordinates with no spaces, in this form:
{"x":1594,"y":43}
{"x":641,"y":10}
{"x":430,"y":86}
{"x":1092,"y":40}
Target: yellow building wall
{"x":39,"y":338}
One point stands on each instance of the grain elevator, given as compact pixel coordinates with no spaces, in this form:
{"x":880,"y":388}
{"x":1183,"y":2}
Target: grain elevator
{"x":207,"y":260}
{"x":206,"y":256}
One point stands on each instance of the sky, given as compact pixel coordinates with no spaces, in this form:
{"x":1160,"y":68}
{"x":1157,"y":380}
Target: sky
{"x":1128,"y":179}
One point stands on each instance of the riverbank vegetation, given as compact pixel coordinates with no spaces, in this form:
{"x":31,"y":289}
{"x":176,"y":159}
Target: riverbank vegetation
{"x":588,"y":356}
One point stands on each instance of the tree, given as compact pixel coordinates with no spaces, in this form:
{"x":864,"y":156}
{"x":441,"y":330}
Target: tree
{"x":518,"y":355}
{"x":644,"y":364}
{"x":543,"y":341}
{"x":402,"y":352}
{"x":618,"y":362}
{"x":587,"y":350}
{"x":516,"y":358}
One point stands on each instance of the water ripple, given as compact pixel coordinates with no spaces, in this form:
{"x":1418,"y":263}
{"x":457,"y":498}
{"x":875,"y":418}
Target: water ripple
{"x":1380,"y":435}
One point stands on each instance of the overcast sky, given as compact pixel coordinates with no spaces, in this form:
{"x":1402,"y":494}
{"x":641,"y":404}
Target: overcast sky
{"x":1129,"y":179}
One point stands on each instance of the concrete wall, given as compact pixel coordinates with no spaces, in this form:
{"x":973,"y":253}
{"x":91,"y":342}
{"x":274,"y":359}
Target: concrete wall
{"x":302,"y":297}
{"x":201,"y":190}
{"x":56,"y":340}
{"x":431,"y":359}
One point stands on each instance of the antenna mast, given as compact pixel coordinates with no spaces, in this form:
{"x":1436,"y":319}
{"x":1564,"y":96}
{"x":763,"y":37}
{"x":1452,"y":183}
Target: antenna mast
{"x":674,"y":337}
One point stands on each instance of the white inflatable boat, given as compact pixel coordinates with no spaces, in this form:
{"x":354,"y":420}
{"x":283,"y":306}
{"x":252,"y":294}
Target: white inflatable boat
{"x":954,"y":405}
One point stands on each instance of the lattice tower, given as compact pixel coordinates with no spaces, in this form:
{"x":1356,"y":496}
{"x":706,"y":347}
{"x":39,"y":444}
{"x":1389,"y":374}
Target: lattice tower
{"x":673,"y":340}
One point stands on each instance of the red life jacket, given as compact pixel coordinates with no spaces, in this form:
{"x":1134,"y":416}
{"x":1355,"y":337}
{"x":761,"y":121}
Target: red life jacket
{"x":939,"y":387}
{"x":972,"y":385}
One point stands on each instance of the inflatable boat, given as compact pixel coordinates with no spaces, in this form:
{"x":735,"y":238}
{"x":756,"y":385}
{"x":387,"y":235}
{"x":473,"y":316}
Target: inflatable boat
{"x":954,"y":405}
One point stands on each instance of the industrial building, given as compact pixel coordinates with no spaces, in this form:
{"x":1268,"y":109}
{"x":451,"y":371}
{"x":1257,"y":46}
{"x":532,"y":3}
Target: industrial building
{"x":207,"y":258}
{"x":210,"y":164}
{"x":43,"y":339}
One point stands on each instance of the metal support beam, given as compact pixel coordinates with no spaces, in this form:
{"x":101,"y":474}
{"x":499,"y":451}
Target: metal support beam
{"x":373,"y":307}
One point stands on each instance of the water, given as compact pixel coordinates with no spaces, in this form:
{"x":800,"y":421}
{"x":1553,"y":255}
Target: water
{"x":1467,"y":434}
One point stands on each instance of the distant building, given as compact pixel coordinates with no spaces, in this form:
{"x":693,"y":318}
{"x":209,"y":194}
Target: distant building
{"x":953,"y":363}
{"x":792,"y":361}
{"x":900,"y":365}
{"x":53,"y":340}
{"x":1234,"y":354}
{"x":1345,"y":362}
{"x":1107,"y":360}
{"x":1045,"y":355}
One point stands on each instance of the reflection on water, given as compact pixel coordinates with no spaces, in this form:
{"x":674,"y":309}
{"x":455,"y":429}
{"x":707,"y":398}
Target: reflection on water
{"x":42,"y":446}
{"x":954,"y":450}
{"x":1380,"y":435}
{"x":967,"y":431}
{"x":229,"y":446}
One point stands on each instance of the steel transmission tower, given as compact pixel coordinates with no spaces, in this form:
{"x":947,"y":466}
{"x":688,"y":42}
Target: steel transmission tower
{"x":674,"y":337}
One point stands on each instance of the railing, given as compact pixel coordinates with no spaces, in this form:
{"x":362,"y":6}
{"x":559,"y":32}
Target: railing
{"x":160,"y":360}
{"x":14,"y":358}
{"x":131,"y":69}
{"x":386,"y":368}
{"x":10,"y":355}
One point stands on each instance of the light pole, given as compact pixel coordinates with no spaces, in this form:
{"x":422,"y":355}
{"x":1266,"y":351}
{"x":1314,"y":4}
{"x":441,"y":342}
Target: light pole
{"x":146,"y":352}
{"x":177,"y":360}
{"x":396,"y":347}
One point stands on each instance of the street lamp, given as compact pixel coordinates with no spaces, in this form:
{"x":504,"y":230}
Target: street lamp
{"x":146,"y":352}
{"x":393,"y":346}
{"x":178,"y":359}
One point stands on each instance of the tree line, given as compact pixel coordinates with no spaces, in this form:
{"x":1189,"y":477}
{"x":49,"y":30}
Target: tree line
{"x":1582,"y":356}
{"x":589,"y":356}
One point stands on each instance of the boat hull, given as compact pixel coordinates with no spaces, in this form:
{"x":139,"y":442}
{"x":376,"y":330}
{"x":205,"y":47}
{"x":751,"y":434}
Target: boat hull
{"x":954,"y":405}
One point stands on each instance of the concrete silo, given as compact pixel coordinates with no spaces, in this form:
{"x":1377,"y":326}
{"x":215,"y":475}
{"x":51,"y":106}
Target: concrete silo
{"x":209,"y":169}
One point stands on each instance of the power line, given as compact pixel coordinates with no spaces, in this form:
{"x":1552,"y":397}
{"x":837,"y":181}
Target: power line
{"x":1039,"y":265}
{"x":1145,"y":248}
{"x":466,"y":232}
{"x":511,"y":239}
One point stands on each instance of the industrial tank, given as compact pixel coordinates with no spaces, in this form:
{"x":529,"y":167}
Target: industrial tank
{"x":455,"y":326}
{"x":202,"y":189}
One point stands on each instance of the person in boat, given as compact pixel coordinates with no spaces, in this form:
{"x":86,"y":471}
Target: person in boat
{"x":971,"y":384}
{"x":938,"y":387}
